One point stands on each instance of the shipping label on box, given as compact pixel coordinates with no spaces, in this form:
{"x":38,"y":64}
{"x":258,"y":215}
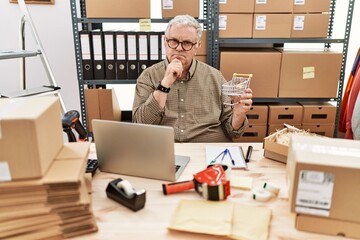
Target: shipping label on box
{"x":315,"y":190}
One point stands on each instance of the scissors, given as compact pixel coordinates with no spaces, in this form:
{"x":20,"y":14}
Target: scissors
{"x":223,"y":154}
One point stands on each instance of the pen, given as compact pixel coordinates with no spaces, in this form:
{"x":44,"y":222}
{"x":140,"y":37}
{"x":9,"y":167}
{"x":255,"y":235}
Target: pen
{"x":248,"y":154}
{"x":232,"y":160}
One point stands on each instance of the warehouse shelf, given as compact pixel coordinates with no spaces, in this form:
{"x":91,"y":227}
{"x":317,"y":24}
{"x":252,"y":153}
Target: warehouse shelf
{"x":214,"y":44}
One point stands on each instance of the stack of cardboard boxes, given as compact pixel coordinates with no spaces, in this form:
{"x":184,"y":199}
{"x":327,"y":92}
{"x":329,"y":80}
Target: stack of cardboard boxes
{"x":129,"y":9}
{"x":319,"y":118}
{"x":42,"y":180}
{"x":257,"y":117}
{"x":281,"y":73}
{"x":273,"y":19}
{"x":288,"y":113}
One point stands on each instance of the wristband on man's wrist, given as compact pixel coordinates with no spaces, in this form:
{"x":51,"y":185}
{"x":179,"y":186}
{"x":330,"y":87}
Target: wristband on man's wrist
{"x":161,"y":88}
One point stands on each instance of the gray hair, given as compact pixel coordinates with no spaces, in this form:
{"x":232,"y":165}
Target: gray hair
{"x":185,"y":20}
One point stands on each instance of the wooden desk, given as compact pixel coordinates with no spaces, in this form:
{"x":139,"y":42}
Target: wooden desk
{"x":118,"y":222}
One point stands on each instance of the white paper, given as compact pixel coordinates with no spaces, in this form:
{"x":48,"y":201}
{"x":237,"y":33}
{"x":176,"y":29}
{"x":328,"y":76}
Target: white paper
{"x":215,"y":155}
{"x":260,"y":22}
{"x":299,"y":2}
{"x":261,"y":2}
{"x":299,"y":23}
{"x":168,"y":4}
{"x":222,"y":22}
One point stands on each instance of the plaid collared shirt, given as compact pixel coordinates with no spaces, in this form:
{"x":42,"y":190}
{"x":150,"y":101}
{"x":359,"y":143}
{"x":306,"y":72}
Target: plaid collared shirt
{"x":194,"y":106}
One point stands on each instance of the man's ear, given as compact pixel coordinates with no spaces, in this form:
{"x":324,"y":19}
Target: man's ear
{"x":199,"y":45}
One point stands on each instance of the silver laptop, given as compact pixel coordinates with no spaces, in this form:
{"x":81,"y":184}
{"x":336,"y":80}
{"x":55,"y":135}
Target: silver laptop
{"x":137,"y":150}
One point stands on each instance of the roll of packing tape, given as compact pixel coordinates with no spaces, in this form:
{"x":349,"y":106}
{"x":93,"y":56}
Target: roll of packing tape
{"x":271,"y":187}
{"x":261,"y":195}
{"x":126,"y":187}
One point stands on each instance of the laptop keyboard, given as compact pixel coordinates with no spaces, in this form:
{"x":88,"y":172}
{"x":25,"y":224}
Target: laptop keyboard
{"x":177,"y":167}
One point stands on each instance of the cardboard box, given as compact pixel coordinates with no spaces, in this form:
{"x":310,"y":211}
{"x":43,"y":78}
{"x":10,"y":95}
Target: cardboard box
{"x":320,"y":129}
{"x":274,"y":150}
{"x":201,"y":58}
{"x":309,"y":74}
{"x":229,"y":26}
{"x":253,"y":133}
{"x":273,"y":6}
{"x":313,"y":25}
{"x":327,"y":226}
{"x":117,"y":9}
{"x":323,"y":175}
{"x":273,"y":128}
{"x":109,"y":105}
{"x":318,"y":112}
{"x":203,"y":49}
{"x":236,"y":6}
{"x":92,"y":106}
{"x":101,"y":104}
{"x":264,"y":64}
{"x":268,"y":25}
{"x":311,"y":6}
{"x":289,"y":113}
{"x":170,"y":9}
{"x":31,"y":136}
{"x":258,"y":114}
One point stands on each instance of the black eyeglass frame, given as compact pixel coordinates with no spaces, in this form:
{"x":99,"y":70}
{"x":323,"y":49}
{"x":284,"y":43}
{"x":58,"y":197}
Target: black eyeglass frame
{"x":181,"y":43}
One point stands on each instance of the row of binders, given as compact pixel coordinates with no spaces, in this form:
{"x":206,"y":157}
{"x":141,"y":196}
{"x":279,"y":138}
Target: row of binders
{"x":116,"y":55}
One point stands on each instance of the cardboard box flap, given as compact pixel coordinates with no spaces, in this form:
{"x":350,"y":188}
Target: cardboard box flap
{"x":74,"y":150}
{"x":326,"y":151}
{"x":69,"y":166}
{"x":276,"y":145}
{"x":65,"y":169}
{"x":327,"y":226}
{"x":21,"y":108}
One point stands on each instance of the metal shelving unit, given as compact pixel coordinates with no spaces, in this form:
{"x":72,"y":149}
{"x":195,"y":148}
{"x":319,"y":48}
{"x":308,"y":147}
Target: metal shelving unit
{"x":238,"y":42}
{"x":80,"y":21}
{"x":211,"y":25}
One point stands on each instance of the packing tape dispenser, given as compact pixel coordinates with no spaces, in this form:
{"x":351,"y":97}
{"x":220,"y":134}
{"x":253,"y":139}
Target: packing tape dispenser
{"x":122,"y":192}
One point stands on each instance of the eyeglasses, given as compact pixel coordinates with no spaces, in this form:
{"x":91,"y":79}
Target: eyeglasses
{"x":186,"y":45}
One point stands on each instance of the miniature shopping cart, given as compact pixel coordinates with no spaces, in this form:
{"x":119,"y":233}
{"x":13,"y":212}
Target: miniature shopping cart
{"x":236,"y":86}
